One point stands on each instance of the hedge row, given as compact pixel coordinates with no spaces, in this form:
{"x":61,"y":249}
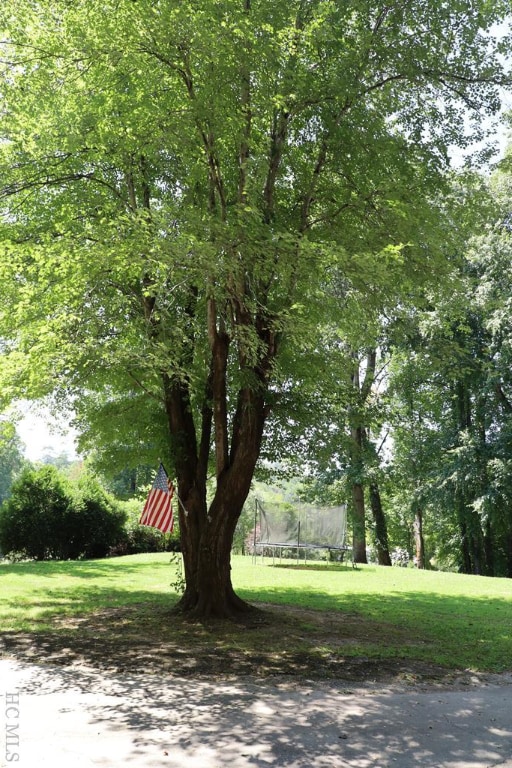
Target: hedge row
{"x":48,"y":517}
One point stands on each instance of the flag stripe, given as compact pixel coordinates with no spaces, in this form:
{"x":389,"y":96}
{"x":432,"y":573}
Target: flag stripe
{"x":157,"y":507}
{"x":157,"y":511}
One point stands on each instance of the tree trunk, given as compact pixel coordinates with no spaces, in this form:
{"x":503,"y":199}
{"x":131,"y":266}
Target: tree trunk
{"x":419,"y":541}
{"x":489,"y":550}
{"x":463,"y":532}
{"x":358,"y":438}
{"x":381,"y":530}
{"x":207,"y":532}
{"x":357,"y":490}
{"x":358,"y":524}
{"x":209,"y":591}
{"x":472,"y":545}
{"x":509,"y":553}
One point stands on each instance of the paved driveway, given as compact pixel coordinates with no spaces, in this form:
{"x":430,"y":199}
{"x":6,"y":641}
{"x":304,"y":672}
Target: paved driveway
{"x":57,"y":717}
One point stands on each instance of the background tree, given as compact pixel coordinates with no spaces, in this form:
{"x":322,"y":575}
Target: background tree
{"x":177,"y":178}
{"x":11,"y":458}
{"x":451,"y":430}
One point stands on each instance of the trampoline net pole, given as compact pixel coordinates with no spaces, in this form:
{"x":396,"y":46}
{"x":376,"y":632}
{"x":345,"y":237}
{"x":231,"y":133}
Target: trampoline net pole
{"x":255,"y":524}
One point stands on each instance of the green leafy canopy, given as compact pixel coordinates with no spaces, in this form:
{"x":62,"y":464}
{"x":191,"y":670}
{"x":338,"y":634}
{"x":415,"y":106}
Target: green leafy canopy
{"x":160,"y":161}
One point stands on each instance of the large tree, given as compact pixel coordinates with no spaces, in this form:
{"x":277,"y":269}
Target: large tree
{"x":178,"y":178}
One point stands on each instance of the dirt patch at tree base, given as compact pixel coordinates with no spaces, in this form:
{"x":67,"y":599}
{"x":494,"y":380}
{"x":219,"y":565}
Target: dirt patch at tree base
{"x":282,"y":644}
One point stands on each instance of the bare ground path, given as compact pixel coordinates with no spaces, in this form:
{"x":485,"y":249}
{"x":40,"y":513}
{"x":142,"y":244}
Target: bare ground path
{"x":71,"y":716}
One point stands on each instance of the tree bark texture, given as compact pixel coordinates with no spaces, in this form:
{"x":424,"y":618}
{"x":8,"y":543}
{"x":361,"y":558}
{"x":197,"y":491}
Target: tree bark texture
{"x":361,"y":390}
{"x":207,"y":530}
{"x":358,"y":524}
{"x":381,"y":529}
{"x":207,"y":537}
{"x":471,"y":534}
{"x":509,"y":555}
{"x":419,"y":542}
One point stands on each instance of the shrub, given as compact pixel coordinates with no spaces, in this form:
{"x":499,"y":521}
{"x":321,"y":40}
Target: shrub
{"x":400,"y":557}
{"x":98,"y":521}
{"x":33,"y":520}
{"x":140,"y":538}
{"x":144,"y":539}
{"x":49,"y":519}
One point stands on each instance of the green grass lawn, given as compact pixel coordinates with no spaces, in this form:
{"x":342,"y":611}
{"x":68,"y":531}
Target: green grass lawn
{"x":452,"y":619}
{"x":325,"y":612}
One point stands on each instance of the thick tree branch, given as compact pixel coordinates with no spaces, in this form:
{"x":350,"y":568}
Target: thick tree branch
{"x":502,"y":398}
{"x":219,"y":344}
{"x":369,"y":377}
{"x":245,"y":104}
{"x":55,"y":181}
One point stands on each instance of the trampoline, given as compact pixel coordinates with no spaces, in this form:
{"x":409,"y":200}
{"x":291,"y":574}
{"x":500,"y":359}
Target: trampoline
{"x":299,"y":527}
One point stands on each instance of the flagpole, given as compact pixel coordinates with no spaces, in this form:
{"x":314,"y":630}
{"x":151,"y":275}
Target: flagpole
{"x":181,"y":560}
{"x":185,"y":510}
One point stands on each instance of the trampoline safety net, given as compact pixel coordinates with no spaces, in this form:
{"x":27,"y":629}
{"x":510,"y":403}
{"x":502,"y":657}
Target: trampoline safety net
{"x":302,"y":525}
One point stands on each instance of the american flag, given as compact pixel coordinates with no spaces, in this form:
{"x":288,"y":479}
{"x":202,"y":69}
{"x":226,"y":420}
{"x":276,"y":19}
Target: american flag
{"x":157,"y":511}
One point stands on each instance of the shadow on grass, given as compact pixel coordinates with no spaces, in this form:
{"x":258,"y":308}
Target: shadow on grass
{"x":458,"y":631}
{"x":296,"y":632}
{"x":325,"y":568}
{"x":82,"y":569}
{"x":103,"y":614}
